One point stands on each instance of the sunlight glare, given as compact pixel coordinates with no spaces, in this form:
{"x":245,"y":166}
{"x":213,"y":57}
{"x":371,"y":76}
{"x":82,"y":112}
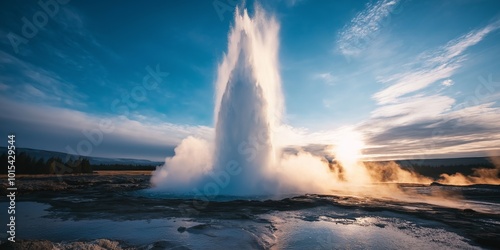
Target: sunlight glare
{"x":348,"y":152}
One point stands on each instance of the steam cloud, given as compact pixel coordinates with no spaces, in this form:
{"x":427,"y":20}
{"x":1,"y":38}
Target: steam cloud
{"x":479,"y":176}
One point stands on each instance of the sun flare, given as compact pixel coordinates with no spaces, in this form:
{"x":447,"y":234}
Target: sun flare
{"x":348,"y":147}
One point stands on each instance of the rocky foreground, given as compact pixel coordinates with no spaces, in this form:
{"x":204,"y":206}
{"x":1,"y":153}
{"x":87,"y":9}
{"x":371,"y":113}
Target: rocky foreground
{"x":99,"y":244}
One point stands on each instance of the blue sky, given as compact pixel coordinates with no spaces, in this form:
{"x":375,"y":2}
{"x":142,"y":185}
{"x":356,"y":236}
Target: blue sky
{"x":417,"y":78}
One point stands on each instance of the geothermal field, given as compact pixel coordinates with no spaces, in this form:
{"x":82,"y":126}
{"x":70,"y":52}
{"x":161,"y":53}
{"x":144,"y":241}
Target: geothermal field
{"x":253,"y":181}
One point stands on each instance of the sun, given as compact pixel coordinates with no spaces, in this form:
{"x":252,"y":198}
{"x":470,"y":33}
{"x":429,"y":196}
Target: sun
{"x":348,"y":147}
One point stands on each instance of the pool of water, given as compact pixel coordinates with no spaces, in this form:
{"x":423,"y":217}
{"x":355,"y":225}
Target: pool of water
{"x":314,"y":228}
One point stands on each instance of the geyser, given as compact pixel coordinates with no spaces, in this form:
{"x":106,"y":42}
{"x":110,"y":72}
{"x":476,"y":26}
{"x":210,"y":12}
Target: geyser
{"x":248,"y":108}
{"x":250,"y":105}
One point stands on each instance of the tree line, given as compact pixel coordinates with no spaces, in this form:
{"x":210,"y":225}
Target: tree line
{"x":26,"y":164}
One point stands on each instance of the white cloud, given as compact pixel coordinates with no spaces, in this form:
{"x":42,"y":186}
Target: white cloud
{"x":412,"y":81}
{"x":413,"y":109}
{"x":361,"y":29}
{"x":447,"y":82}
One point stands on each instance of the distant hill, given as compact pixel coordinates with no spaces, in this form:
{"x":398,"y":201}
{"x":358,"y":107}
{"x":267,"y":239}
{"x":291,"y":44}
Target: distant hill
{"x":45,"y":155}
{"x":478,"y":161}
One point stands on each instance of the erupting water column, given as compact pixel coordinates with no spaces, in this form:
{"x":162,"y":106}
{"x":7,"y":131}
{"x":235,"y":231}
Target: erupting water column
{"x":248,"y":104}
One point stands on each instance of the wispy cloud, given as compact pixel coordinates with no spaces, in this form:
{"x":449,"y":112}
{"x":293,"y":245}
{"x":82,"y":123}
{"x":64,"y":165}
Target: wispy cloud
{"x":411,"y":81}
{"x":447,"y":82}
{"x":327,"y":78}
{"x":431,"y":66}
{"x":355,"y":35}
{"x":38,"y":83}
{"x":413,"y":109}
{"x":34,"y":92}
{"x":456,"y":47}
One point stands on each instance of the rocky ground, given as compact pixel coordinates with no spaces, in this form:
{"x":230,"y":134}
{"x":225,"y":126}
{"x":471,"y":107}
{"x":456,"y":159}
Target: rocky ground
{"x":99,"y":244}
